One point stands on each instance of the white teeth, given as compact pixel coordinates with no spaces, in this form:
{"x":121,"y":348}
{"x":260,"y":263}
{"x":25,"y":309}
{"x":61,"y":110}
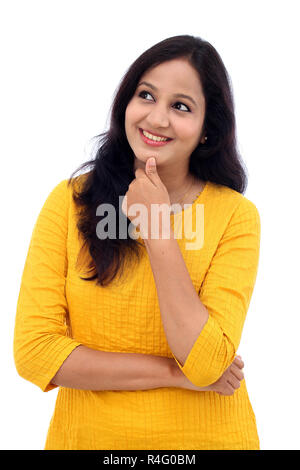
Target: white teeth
{"x":153,"y":137}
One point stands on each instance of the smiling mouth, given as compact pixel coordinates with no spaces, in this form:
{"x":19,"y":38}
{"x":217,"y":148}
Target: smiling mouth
{"x":155,"y":135}
{"x":153,"y":142}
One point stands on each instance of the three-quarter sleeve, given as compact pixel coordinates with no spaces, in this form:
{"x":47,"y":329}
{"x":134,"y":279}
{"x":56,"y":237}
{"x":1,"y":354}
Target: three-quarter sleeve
{"x":41,"y":341}
{"x":226,"y":293}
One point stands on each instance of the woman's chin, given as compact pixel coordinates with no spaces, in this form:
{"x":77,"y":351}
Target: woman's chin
{"x":142,"y":159}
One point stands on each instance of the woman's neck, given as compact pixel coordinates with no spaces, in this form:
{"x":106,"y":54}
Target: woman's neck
{"x":177,"y":181}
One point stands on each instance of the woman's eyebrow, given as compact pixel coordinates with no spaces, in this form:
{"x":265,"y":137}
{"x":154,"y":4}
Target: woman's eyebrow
{"x":177,"y":95}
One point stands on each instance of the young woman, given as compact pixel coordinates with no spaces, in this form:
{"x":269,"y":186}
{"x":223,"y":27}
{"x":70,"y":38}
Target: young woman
{"x":140,"y":332}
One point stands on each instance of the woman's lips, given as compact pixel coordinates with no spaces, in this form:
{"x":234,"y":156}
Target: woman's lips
{"x":156,"y":135}
{"x":153,"y":142}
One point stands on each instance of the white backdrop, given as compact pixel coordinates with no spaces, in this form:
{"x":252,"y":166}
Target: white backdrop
{"x":61,"y":62}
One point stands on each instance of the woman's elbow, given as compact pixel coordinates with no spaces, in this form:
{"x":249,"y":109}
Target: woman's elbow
{"x":212,"y":368}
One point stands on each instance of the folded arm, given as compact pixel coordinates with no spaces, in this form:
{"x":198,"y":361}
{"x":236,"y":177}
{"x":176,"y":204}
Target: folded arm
{"x":204,"y":331}
{"x":44,"y":354}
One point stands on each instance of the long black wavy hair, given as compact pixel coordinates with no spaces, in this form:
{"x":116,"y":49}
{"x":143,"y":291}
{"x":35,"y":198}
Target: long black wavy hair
{"x":112,"y":168}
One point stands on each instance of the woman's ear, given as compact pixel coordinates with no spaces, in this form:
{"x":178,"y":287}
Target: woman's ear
{"x":203,"y":138}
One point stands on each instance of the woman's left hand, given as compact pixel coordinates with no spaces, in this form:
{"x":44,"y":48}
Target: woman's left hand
{"x":145,"y":190}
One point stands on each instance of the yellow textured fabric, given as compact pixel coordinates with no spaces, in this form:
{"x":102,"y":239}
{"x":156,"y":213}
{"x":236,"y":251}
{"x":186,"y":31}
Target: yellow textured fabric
{"x":57,"y":311}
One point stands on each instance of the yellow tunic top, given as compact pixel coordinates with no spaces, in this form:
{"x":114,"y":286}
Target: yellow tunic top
{"x":57,"y":311}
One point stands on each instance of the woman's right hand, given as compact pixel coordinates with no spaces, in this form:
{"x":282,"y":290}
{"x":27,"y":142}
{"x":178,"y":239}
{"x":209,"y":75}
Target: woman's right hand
{"x":227,"y":384}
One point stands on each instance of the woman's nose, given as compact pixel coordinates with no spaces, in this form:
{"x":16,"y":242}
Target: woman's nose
{"x":158,"y":118}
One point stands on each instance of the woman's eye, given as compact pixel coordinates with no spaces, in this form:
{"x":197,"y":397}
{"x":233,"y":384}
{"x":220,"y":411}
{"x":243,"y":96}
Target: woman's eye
{"x":144,"y":92}
{"x":183,"y":105}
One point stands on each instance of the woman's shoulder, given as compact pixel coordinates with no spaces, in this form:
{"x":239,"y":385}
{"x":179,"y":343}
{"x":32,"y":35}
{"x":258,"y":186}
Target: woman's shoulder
{"x":76,"y":182}
{"x":60,"y":194}
{"x":64,"y":189}
{"x":227,"y":207}
{"x":226,"y":196}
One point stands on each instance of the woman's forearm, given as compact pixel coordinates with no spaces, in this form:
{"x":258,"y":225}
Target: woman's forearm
{"x":90,"y":369}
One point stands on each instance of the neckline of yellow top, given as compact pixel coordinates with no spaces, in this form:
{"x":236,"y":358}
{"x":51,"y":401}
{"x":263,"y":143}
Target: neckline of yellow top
{"x":196,"y":200}
{"x":199,"y":197}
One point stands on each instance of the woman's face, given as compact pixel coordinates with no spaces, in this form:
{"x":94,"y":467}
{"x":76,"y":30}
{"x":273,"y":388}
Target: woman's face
{"x":155,"y":108}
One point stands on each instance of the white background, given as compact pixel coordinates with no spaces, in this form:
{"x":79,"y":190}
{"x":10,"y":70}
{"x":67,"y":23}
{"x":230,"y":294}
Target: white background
{"x":61,"y":62}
